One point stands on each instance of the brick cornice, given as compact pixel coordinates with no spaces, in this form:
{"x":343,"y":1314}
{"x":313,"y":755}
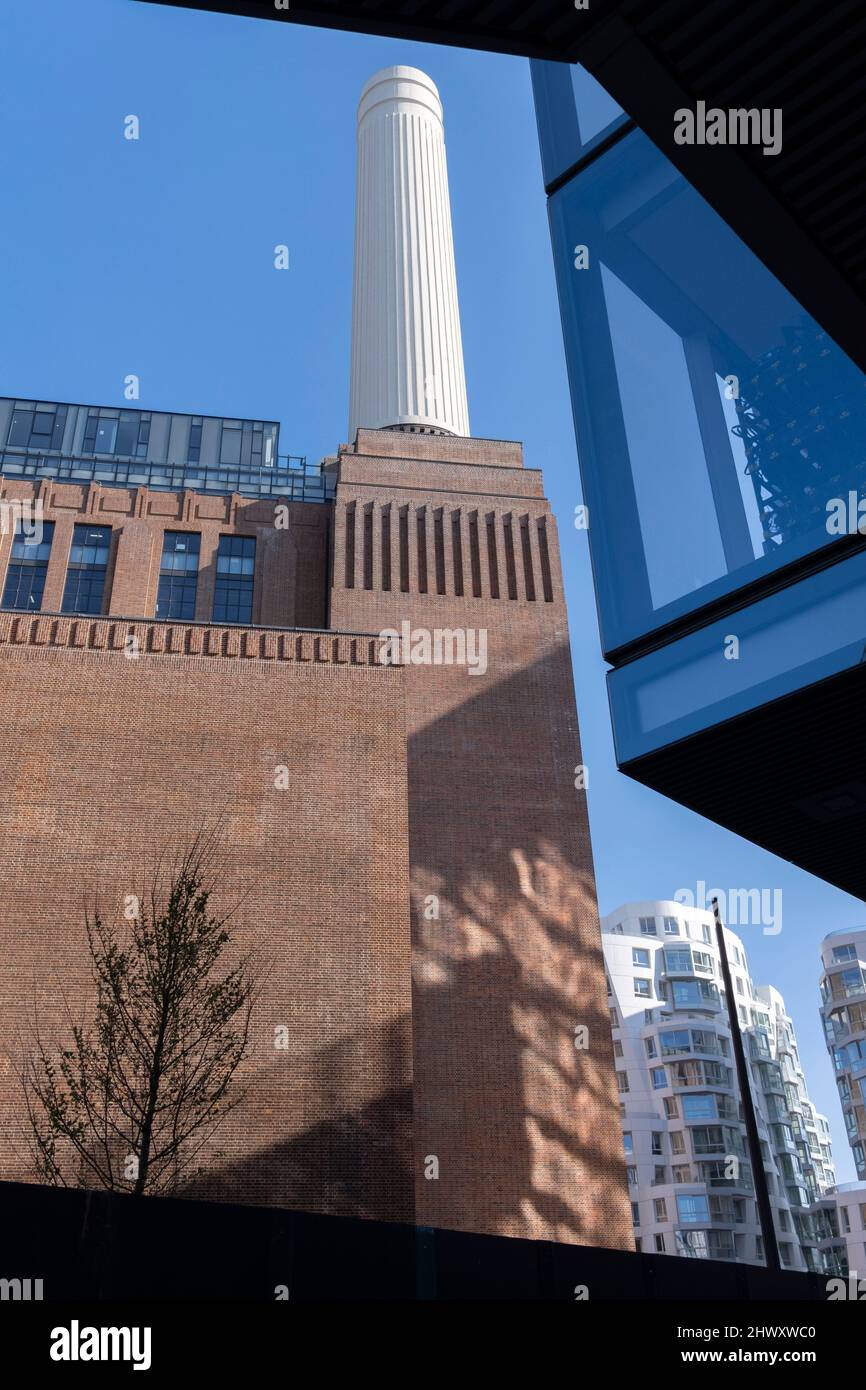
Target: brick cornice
{"x":202,"y":640}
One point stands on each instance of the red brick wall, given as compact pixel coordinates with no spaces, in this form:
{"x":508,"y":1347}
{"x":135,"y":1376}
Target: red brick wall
{"x":524,"y":1126}
{"x":291,"y":546}
{"x":111,"y":761}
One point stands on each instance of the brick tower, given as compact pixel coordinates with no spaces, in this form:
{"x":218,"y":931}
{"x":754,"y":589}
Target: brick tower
{"x":521,"y":1124}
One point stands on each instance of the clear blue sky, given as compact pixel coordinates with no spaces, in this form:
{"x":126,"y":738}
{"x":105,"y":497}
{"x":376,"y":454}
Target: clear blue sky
{"x":156,"y":257}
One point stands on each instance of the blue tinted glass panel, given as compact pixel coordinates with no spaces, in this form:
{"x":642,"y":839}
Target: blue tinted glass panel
{"x":721,"y":432}
{"x":790,"y":639}
{"x":574,"y":113}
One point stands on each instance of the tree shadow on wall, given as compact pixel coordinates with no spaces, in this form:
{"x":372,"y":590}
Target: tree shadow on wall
{"x":523,"y":1124}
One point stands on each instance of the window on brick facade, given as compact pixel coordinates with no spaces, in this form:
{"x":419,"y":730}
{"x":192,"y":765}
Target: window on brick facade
{"x":233,"y":593}
{"x":28,"y":566}
{"x":178,"y":575}
{"x":88,"y":565}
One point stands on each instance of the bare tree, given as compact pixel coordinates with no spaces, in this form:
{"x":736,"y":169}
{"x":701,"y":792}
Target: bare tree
{"x":146,"y":1083}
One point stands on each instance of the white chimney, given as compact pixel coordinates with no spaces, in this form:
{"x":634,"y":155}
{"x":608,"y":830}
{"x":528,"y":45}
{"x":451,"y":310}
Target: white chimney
{"x":407,"y":354}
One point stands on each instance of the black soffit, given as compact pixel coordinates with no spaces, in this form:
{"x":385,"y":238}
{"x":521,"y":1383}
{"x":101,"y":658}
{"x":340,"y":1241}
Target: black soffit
{"x":801,"y":211}
{"x":790,"y":776}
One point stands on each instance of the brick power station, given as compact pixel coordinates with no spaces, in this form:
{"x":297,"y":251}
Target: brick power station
{"x":197,"y":632}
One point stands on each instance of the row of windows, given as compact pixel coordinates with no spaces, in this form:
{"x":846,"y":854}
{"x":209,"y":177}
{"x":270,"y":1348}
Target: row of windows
{"x":671,"y":926}
{"x":40,"y":425}
{"x":178,"y":573}
{"x":693,"y":1208}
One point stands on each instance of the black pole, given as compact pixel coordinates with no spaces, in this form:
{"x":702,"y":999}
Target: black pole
{"x":759,"y":1176}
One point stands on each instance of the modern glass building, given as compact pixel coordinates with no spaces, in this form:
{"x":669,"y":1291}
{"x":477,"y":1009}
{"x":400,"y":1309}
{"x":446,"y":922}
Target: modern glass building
{"x":157,"y":449}
{"x":722,"y":441}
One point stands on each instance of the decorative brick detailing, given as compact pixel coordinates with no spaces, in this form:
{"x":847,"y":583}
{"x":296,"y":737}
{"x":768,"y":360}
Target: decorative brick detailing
{"x":290,"y":587}
{"x":182,"y":639}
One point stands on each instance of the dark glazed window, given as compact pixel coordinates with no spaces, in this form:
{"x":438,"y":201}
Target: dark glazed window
{"x":233,"y":594}
{"x":88,"y":564}
{"x":28,"y":566}
{"x":36,"y":425}
{"x":230,"y":443}
{"x":178,"y":575}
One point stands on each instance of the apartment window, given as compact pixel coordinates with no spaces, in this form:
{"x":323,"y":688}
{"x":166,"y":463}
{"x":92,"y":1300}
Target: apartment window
{"x":133,"y":434}
{"x":614,"y":1018}
{"x":660,"y":1243}
{"x":617,"y":1048}
{"x":700,"y":1107}
{"x":682,"y":1173}
{"x":233,"y":594}
{"x":647,"y":926}
{"x":642,"y":988}
{"x":848,"y":952}
{"x":178,"y":575}
{"x":230,"y":442}
{"x":695,"y":994}
{"x":678,"y":960}
{"x":660,"y":1211}
{"x":692,"y":1208}
{"x":672,"y":926}
{"x":193,"y":451}
{"x":122,"y":432}
{"x":705,"y":932}
{"x":622,"y":1081}
{"x":631,"y":1175}
{"x":640,"y":958}
{"x":36,"y":425}
{"x":635,"y":1214}
{"x":88,"y":566}
{"x":660,"y":1175}
{"x":28,"y":566}
{"x":703,"y":962}
{"x":650,"y":1045}
{"x":678,"y":1142}
{"x":845,"y":1221}
{"x":659,"y":1078}
{"x":656,"y":1141}
{"x":628,"y":1144}
{"x":671,"y":1108}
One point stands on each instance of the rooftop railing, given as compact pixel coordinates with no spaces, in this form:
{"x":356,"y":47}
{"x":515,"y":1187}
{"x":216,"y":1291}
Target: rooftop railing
{"x":291,"y":477}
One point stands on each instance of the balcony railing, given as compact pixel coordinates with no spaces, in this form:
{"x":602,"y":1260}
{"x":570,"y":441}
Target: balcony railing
{"x":291,"y":477}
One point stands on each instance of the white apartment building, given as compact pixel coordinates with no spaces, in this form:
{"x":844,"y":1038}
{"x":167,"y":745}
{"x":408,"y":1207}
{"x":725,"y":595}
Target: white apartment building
{"x":690,"y":1178}
{"x":840,"y":1225}
{"x":843,"y":1012}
